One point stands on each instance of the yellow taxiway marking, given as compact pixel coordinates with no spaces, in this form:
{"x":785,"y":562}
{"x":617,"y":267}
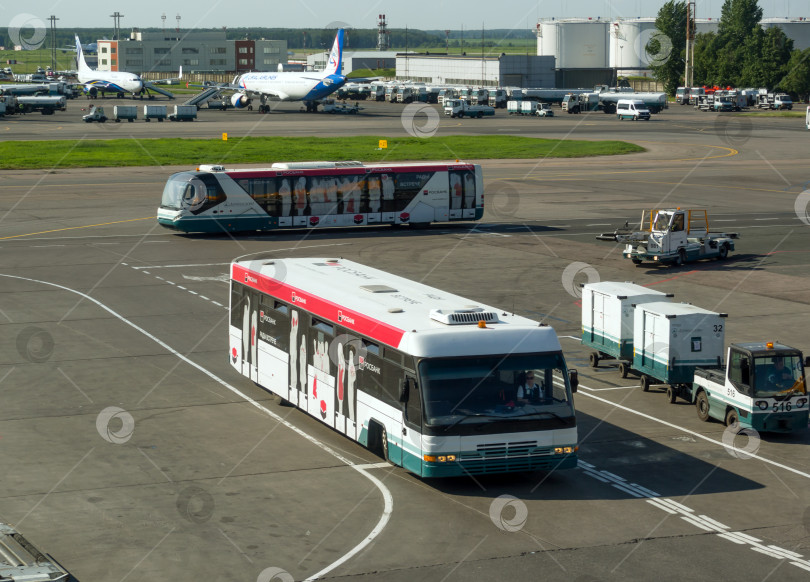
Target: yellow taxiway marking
{"x":75,"y":227}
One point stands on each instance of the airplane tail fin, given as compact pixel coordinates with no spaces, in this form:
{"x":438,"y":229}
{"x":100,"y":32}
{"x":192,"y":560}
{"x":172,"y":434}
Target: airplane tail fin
{"x":80,"y":62}
{"x":333,"y":65}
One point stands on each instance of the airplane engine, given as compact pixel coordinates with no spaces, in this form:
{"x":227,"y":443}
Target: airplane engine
{"x":240,"y":100}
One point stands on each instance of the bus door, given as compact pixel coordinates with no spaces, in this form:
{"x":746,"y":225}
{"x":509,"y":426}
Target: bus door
{"x":462,"y":195}
{"x":244,"y":315}
{"x":372,"y":203}
{"x":321,"y":371}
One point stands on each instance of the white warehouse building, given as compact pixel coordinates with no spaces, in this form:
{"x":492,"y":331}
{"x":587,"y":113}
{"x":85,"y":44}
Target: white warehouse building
{"x":497,"y":71}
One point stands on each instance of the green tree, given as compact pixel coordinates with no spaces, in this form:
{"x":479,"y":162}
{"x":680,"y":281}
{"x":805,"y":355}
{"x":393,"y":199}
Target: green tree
{"x":667,"y":46}
{"x":797,"y":77}
{"x":705,"y":61}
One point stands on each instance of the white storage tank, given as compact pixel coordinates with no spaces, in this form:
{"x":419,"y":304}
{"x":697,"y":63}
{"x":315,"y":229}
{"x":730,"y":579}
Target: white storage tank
{"x":628,"y":41}
{"x":796,"y":29}
{"x":629,"y":38}
{"x":670,"y":340}
{"x":575,"y":43}
{"x":607,"y":317}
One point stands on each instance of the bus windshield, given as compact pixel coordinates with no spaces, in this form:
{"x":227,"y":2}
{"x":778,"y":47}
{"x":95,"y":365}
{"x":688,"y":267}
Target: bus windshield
{"x":183,"y":190}
{"x":778,"y":374}
{"x":494,"y":388}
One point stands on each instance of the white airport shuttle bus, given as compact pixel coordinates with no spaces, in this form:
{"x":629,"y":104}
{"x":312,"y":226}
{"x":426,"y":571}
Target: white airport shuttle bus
{"x":427,"y":379}
{"x":321,"y":194}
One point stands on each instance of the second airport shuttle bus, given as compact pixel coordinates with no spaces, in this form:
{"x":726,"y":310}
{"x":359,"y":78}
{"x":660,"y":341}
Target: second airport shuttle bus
{"x":320,"y":194}
{"x":429,"y":380}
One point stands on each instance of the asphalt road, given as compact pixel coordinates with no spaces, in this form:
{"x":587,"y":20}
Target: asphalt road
{"x":134,"y":452}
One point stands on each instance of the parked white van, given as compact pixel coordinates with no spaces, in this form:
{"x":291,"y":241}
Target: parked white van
{"x":634,"y":109}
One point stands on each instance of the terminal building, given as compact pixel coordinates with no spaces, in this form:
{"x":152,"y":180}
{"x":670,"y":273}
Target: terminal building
{"x":196,"y":52}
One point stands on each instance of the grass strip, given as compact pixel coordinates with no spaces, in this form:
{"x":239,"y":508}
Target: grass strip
{"x":791,"y":113}
{"x":174,"y":151}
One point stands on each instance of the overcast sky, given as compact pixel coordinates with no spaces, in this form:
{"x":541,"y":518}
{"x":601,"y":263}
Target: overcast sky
{"x":421,"y":14}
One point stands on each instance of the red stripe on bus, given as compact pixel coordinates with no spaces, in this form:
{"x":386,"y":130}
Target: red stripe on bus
{"x":322,"y":308}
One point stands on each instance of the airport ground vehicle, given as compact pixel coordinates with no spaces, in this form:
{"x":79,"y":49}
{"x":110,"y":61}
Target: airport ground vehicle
{"x":782,"y":101}
{"x":682,"y":95}
{"x":807,"y":118}
{"x":544,"y":110}
{"x":21,"y":560}
{"x":761,"y":386}
{"x":426,"y":379}
{"x":45,"y":104}
{"x":673,"y":236}
{"x":459,"y":108}
{"x":632,"y":109}
{"x":497,"y":98}
{"x":321,"y":194}
{"x":329,"y":106}
{"x":95,"y":114}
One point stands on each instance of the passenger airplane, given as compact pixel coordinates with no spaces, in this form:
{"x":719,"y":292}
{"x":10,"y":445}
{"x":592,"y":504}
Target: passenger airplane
{"x":117,"y":82}
{"x":290,"y":86}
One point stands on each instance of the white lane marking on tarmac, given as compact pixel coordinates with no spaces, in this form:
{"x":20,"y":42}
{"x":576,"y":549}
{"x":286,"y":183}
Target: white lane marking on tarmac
{"x":687,"y":431}
{"x":386,"y":493}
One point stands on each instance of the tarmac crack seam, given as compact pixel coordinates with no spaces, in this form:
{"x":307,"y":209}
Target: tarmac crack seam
{"x":386,"y":493}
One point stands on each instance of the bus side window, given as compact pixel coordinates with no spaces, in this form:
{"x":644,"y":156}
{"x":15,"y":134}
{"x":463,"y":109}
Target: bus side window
{"x":237,"y":298}
{"x":274,"y":326}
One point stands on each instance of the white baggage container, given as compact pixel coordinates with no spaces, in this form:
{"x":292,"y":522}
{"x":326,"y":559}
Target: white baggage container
{"x":607,"y":318}
{"x":154,"y":112}
{"x":672,"y":339}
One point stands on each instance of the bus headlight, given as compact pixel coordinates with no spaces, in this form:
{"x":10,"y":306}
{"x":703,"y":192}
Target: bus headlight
{"x":439,"y":458}
{"x":761,"y":404}
{"x":565,"y":450}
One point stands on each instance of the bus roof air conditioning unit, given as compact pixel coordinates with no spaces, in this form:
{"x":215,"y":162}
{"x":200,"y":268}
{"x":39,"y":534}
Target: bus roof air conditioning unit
{"x":470,"y":316}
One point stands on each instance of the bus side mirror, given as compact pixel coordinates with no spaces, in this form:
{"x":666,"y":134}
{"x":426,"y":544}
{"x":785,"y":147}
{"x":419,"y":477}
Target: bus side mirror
{"x":807,"y":362}
{"x":404,"y":390}
{"x":573,"y":379}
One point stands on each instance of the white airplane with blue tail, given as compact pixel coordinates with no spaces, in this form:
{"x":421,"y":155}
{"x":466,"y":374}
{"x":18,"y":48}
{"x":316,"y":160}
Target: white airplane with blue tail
{"x":291,"y":86}
{"x":118,"y":82}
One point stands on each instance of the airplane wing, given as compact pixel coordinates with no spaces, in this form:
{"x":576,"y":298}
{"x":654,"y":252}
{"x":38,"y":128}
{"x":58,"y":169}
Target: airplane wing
{"x":229,"y":87}
{"x":171,"y":81}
